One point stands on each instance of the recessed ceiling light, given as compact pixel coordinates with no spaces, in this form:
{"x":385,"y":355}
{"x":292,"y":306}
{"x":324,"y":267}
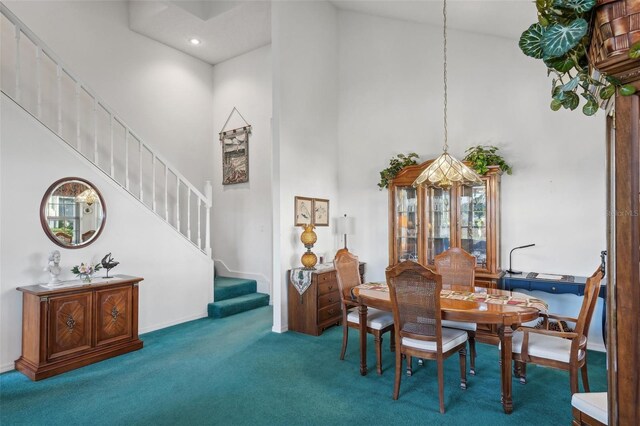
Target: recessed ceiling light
{"x":195,"y":41}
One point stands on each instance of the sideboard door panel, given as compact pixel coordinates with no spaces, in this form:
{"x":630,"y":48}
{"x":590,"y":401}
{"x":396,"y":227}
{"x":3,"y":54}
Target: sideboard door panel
{"x":69,"y":324}
{"x":114,"y":315}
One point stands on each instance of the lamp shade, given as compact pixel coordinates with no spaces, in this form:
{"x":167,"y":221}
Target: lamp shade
{"x":346,"y":225}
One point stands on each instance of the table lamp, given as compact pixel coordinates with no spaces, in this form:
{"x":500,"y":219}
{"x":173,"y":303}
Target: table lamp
{"x":510,"y":270}
{"x":346,"y":226}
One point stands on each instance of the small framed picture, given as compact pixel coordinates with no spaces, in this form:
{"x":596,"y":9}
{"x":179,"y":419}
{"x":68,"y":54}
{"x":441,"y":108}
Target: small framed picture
{"x":303,"y":211}
{"x":320,"y":212}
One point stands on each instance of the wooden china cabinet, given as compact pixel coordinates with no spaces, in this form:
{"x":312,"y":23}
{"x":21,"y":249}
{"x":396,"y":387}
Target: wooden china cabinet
{"x":426,"y":221}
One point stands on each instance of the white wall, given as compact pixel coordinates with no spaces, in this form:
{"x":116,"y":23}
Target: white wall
{"x":305,"y":57}
{"x":177,"y":277}
{"x":163,"y":94}
{"x":391,"y":102}
{"x":241,"y":222}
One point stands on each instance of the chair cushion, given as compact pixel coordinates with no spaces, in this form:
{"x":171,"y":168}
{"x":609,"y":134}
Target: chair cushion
{"x":593,"y":404}
{"x":542,"y":346}
{"x":467,"y":326}
{"x":376,"y":318}
{"x":450,"y":338}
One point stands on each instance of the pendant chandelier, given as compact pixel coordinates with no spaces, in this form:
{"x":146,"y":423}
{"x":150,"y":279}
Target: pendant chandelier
{"x":445,"y":170}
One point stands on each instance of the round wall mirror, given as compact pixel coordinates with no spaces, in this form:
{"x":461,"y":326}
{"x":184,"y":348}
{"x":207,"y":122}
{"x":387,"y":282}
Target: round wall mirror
{"x":72,"y":213}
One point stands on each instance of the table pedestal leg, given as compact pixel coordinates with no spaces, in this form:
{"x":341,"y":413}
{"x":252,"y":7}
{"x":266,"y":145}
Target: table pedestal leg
{"x":362,"y":311}
{"x":506,"y":334}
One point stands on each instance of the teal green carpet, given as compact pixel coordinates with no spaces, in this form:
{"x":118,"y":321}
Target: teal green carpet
{"x":235,"y":371}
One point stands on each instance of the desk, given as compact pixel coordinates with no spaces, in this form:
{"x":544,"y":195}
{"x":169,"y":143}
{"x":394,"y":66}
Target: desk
{"x":515,"y":281}
{"x":506,"y":317}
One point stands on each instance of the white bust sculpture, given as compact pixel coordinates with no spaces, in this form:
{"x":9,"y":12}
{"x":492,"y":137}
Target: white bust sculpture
{"x":53,"y":268}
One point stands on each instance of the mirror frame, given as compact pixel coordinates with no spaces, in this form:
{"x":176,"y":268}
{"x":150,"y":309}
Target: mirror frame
{"x":43,"y":218}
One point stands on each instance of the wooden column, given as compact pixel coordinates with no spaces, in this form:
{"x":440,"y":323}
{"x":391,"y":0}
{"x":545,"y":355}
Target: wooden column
{"x":624,"y":276}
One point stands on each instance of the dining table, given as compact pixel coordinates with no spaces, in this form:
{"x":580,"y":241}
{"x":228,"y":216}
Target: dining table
{"x":506,"y":309}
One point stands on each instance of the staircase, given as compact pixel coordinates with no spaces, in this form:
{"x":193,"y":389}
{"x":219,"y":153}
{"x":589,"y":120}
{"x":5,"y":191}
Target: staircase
{"x":235,"y":295}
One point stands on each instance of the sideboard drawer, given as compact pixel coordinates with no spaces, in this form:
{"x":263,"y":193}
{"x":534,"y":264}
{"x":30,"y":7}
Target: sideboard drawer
{"x":330,"y":312}
{"x":328,"y":299}
{"x":327,"y":286}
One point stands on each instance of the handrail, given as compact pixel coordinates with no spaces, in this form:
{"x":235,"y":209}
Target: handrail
{"x":130,"y":137}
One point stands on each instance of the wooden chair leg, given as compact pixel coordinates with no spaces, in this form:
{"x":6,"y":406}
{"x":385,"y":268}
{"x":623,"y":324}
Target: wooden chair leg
{"x":463,"y":368}
{"x":585,"y":376}
{"x":392,"y":343}
{"x":441,"y":384}
{"x":520,"y":371}
{"x":409,"y":365}
{"x":573,"y":380}
{"x":396,"y":383}
{"x":345,"y":333}
{"x":472,"y":349}
{"x":377,"y":339}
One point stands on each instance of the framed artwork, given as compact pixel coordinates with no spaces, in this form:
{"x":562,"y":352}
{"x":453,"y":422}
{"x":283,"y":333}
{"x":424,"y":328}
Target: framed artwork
{"x":235,"y":155}
{"x":303,"y":211}
{"x":320,"y":212}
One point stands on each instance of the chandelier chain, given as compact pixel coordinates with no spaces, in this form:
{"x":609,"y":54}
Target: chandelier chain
{"x":444,"y":34}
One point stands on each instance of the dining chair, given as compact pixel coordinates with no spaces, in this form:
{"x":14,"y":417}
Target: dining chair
{"x":565,"y":350}
{"x":415,"y":299}
{"x":378,"y":322}
{"x":458,"y":270}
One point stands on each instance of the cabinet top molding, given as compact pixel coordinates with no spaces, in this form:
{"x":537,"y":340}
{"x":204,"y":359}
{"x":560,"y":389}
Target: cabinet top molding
{"x":76,"y":285}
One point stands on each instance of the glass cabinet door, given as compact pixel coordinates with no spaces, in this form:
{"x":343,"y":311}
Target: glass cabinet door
{"x":473,"y":222}
{"x":406,"y":221}
{"x":438,"y":222}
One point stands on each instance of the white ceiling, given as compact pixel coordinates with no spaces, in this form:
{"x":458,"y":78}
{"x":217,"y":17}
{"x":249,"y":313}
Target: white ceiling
{"x":502,"y":18}
{"x":226,"y":28}
{"x":231,"y":28}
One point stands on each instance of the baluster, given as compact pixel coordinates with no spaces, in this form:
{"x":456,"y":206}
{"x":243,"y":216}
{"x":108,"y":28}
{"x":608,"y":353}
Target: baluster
{"x":208,"y":192}
{"x":188,"y":213}
{"x":59,"y":90}
{"x":153,"y":181}
{"x":39,"y":82}
{"x":112,"y":167}
{"x":18,"y":82}
{"x":166,"y":192}
{"x":78,"y":142}
{"x":95,"y":132}
{"x":126,"y":157}
{"x":199,"y":224}
{"x":178,"y":204}
{"x":140,"y":168}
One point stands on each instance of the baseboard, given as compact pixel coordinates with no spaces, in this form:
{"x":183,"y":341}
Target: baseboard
{"x":598,"y":347}
{"x":155,"y":327}
{"x":264,"y":283}
{"x":7,"y":367}
{"x":282,"y":329}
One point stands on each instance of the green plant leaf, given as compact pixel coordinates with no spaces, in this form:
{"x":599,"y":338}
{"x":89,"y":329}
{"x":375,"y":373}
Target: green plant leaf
{"x":607,"y":91}
{"x":571,"y":85}
{"x":556,"y":104}
{"x":627,"y":90}
{"x":560,"y":64}
{"x":531,"y":41}
{"x":579,"y":6}
{"x":570,"y":100}
{"x":634,"y":51}
{"x":590,"y":108}
{"x":558,"y":39}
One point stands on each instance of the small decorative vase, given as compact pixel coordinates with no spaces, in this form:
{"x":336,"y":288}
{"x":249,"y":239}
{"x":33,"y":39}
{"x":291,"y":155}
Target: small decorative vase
{"x":85,"y":278}
{"x":308,"y":238}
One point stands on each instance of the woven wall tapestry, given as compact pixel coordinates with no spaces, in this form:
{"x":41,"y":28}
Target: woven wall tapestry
{"x":235,"y":152}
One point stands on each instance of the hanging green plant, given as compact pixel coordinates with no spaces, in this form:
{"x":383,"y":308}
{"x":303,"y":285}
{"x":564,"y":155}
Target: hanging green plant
{"x":561,"y":39}
{"x":396,"y":164}
{"x":483,"y":156}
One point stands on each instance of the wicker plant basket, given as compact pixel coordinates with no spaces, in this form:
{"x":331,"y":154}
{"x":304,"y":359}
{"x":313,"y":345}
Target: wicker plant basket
{"x":616,"y":26}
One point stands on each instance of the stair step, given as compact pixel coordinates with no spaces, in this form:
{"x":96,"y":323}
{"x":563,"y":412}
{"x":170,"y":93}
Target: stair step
{"x":236,"y":305}
{"x":225,"y":288}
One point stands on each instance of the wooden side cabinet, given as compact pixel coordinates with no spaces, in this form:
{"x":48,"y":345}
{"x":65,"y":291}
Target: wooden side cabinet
{"x":77,"y":324}
{"x":319,"y":307}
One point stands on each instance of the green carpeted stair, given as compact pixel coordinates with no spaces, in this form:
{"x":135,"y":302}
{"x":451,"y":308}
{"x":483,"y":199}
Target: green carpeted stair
{"x":235,"y":295}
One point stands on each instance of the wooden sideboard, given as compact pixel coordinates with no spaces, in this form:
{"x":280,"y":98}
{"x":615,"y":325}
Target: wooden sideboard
{"x":76,"y":324}
{"x":319,"y":307}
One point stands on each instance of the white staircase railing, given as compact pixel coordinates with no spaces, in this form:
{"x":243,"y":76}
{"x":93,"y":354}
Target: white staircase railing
{"x":34,"y":77}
